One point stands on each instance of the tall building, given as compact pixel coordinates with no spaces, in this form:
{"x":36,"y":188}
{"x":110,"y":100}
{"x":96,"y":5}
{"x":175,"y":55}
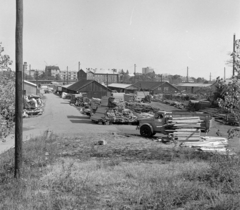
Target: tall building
{"x":101,"y":76}
{"x":52,"y":71}
{"x":147,"y":70}
{"x":68,"y":75}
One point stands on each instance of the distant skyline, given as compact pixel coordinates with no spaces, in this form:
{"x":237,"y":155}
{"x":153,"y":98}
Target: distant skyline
{"x":167,"y":35}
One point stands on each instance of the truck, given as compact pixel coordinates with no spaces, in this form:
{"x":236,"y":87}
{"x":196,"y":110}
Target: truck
{"x":159,"y":122}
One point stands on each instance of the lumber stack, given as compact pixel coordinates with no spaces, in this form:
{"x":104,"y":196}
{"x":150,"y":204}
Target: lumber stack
{"x":186,"y":128}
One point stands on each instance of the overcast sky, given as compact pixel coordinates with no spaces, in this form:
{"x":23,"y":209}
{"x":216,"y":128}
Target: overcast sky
{"x":168,"y":35}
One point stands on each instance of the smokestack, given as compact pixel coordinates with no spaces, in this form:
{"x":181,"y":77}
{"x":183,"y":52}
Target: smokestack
{"x":79,"y":66}
{"x":135,"y":67}
{"x":187,"y":73}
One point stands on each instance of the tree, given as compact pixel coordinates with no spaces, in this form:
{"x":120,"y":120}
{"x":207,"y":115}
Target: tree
{"x":229,"y":93}
{"x":7,"y":94}
{"x":58,"y":77}
{"x":36,"y":75}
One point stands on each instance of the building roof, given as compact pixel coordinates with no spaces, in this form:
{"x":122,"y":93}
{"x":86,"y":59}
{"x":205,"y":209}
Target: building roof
{"x":52,"y":68}
{"x":66,"y":86}
{"x":30,"y":83}
{"x":193,"y":85}
{"x":103,"y":71}
{"x":122,"y":86}
{"x":82,"y":83}
{"x":147,"y":85}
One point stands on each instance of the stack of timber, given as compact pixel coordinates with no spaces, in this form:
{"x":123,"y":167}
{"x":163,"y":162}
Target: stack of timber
{"x":186,"y":128}
{"x":211,"y":144}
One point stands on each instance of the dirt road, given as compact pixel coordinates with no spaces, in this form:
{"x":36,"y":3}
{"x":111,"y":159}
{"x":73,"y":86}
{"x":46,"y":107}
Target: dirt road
{"x":61,"y":118}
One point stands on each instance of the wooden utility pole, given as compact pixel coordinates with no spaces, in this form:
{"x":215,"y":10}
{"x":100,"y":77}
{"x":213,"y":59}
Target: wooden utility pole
{"x":67,"y":75}
{"x":234,"y":42}
{"x":107,"y":79}
{"x":18,"y":91}
{"x":161,"y":83}
{"x":224,"y":73}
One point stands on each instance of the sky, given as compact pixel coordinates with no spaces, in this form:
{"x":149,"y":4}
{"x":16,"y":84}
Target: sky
{"x":167,"y":35}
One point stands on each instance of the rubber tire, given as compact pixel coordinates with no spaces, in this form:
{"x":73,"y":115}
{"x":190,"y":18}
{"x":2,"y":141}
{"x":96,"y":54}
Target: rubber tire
{"x":146,"y":131}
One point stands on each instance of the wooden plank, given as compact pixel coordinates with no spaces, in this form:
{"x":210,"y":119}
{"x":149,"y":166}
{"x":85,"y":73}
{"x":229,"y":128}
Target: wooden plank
{"x":181,"y":118}
{"x":185,"y":134}
{"x":188,"y":139}
{"x":186,"y":129}
{"x":186,"y":122}
{"x":185,"y":119}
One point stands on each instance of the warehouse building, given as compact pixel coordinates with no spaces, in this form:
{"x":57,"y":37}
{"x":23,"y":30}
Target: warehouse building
{"x":91,"y":88}
{"x":30,"y":88}
{"x":156,"y":87}
{"x":122,"y":88}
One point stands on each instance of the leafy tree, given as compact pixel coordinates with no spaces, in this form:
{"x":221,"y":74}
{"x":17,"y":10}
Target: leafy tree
{"x":7,"y":95}
{"x":229,"y":93}
{"x":36,"y":75}
{"x":58,"y":77}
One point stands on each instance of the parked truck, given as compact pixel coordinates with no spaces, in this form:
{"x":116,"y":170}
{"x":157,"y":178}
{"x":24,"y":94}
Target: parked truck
{"x":160,"y":122}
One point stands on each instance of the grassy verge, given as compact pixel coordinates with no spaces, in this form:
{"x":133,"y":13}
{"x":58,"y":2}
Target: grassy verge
{"x":127,"y":173}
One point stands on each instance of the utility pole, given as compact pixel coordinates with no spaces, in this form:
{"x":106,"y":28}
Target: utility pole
{"x":224,"y":73}
{"x":18,"y":91}
{"x":187,"y":73}
{"x":234,"y":42}
{"x":210,"y":77}
{"x":107,"y":79}
{"x":161,"y":83}
{"x":67,"y":75}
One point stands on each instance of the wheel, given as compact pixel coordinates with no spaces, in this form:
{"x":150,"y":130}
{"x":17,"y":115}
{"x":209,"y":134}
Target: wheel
{"x":146,"y":131}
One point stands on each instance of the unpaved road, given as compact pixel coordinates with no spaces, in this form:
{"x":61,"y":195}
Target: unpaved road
{"x":62,"y":119}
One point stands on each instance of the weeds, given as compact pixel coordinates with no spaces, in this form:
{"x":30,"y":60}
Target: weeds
{"x":116,"y":176}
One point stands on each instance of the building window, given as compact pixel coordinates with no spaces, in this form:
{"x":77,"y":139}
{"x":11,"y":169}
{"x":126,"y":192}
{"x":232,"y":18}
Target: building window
{"x":165,"y":89}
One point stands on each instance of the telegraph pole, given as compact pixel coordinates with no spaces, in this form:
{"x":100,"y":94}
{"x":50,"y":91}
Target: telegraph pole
{"x":67,"y":75}
{"x":224,"y":73}
{"x":18,"y":91}
{"x":234,"y":41}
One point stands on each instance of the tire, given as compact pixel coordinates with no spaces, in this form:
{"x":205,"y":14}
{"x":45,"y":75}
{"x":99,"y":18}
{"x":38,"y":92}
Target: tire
{"x":146,"y":131}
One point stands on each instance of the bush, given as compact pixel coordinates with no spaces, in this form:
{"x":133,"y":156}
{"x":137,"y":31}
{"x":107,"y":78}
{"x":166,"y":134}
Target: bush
{"x":7,"y":95}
